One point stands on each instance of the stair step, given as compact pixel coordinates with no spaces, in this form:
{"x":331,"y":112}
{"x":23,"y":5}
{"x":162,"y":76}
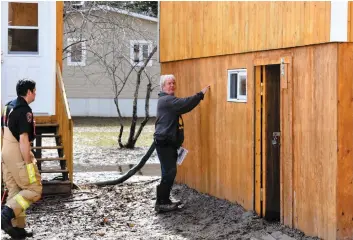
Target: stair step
{"x":47,"y":125}
{"x":56,"y":182}
{"x":54,"y":171}
{"x":55,"y":187}
{"x":48,"y":147}
{"x":50,"y":159}
{"x":47,"y":136}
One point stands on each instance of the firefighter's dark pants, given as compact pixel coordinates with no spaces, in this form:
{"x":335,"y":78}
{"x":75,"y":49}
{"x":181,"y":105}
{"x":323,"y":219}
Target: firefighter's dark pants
{"x":167,"y":154}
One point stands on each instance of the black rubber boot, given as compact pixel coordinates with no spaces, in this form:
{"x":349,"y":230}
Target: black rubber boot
{"x":162,"y":205}
{"x":23,"y":233}
{"x":6,"y":215}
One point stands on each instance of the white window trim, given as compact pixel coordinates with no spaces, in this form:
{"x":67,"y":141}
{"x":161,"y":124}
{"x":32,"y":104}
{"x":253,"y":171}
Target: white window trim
{"x":240,"y":98}
{"x":83,"y":44}
{"x":140,"y":42}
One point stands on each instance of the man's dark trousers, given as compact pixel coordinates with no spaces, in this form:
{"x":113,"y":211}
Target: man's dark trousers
{"x":167,"y":154}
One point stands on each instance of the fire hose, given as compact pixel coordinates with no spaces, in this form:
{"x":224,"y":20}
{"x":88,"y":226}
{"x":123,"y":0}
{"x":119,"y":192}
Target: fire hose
{"x":132,"y":171}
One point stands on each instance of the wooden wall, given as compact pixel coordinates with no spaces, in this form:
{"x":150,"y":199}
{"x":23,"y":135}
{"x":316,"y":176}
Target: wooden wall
{"x":220,"y":134}
{"x":350,"y":21}
{"x":200,"y":29}
{"x":315,"y":139}
{"x":345,"y":142}
{"x":221,"y":161}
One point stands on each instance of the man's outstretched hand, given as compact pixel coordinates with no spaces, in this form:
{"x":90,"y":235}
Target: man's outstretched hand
{"x":204,"y":91}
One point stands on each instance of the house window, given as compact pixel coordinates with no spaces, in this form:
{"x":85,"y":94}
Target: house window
{"x":237,"y":85}
{"x":140,"y":50}
{"x":23,"y":29}
{"x":76,"y":52}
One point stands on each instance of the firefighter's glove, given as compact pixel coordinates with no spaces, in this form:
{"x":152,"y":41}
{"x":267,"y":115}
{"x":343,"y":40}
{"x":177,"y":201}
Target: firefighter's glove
{"x":31,"y":173}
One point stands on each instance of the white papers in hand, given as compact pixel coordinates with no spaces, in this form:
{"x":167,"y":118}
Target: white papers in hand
{"x":182,"y":152}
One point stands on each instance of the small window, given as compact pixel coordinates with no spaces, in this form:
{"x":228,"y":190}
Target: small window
{"x":76,"y":55}
{"x":237,"y":85}
{"x":140,"y":50}
{"x":23,"y":30}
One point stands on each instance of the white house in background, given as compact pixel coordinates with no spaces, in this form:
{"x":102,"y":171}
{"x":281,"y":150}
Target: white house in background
{"x":89,"y":87}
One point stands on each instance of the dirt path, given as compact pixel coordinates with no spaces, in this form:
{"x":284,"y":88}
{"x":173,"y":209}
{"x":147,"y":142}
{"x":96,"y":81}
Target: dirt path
{"x":126,"y":212}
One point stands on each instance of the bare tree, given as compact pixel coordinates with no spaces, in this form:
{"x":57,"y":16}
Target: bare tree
{"x":107,"y":34}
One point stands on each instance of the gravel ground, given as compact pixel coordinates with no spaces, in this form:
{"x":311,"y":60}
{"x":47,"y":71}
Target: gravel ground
{"x":126,"y":211}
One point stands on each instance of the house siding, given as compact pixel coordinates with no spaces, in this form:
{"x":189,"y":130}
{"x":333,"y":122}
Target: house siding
{"x":90,"y":85}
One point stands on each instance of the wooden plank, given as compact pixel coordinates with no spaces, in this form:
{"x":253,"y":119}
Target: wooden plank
{"x":345,"y":142}
{"x":45,"y":119}
{"x":197,"y":33}
{"x":286,"y":149}
{"x":261,"y":61}
{"x":239,"y":27}
{"x":47,"y":136}
{"x":47,"y":125}
{"x":48,"y":147}
{"x":50,"y":159}
{"x":258,"y":140}
{"x":264,"y":142}
{"x":53,"y":171}
{"x":350,"y":21}
{"x":65,"y":121}
{"x":283,"y":143}
{"x":59,"y":32}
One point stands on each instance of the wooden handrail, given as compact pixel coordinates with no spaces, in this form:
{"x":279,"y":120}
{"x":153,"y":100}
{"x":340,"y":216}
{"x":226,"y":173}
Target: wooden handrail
{"x":62,"y":89}
{"x":63,"y":117}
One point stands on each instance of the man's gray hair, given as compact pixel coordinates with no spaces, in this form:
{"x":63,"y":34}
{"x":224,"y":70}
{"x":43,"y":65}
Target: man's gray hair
{"x":165,"y":78}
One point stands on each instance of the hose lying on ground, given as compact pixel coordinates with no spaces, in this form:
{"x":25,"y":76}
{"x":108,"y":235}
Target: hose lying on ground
{"x":132,"y":171}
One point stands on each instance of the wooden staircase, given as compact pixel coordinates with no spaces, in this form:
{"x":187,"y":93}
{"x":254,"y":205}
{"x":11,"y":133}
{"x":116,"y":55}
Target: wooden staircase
{"x":61,"y":183}
{"x":55,"y":134}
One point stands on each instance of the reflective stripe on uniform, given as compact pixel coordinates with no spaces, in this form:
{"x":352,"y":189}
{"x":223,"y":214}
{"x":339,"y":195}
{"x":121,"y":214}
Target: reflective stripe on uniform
{"x":31,"y":173}
{"x":22,"y":201}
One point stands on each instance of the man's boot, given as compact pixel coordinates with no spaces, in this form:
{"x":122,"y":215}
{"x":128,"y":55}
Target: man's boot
{"x":6,"y":215}
{"x":162,"y":205}
{"x":23,"y":233}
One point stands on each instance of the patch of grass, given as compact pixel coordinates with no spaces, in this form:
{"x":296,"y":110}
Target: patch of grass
{"x":110,"y":139}
{"x":106,"y":121}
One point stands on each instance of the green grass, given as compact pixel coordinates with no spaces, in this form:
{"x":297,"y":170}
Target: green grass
{"x":103,"y":132}
{"x":110,"y":139}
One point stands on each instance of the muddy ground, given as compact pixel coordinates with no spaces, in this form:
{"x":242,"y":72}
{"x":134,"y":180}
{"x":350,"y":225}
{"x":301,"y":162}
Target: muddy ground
{"x":126,"y":211}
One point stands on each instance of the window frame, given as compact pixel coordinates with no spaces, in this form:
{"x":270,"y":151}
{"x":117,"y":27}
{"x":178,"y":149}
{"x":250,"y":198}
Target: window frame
{"x":83,"y":48}
{"x":141,"y":60}
{"x":21,"y":27}
{"x":239,"y":97}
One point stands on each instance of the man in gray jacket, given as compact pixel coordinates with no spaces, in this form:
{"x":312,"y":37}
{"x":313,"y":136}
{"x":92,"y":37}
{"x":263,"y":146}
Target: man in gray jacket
{"x":169,"y":136}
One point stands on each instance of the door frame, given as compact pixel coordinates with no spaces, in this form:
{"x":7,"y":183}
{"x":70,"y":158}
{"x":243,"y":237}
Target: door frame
{"x":287,"y":195}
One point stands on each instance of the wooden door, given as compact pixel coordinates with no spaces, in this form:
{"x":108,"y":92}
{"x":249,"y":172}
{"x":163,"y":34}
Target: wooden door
{"x":268,"y":136}
{"x":274,"y":165}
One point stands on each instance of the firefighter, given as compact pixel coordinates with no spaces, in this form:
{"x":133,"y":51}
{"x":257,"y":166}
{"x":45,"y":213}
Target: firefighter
{"x":169,"y":136}
{"x":19,"y":169}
